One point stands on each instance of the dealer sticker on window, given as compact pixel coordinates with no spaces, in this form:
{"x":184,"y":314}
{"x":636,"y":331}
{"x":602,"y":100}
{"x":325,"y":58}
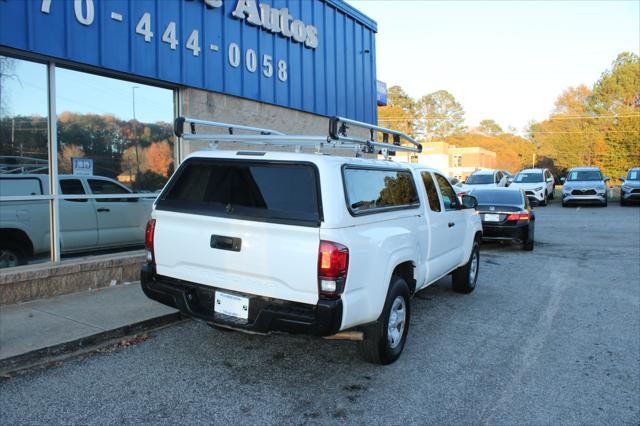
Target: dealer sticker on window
{"x":232,"y":305}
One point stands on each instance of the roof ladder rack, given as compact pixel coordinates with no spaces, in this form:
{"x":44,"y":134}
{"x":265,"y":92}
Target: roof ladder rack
{"x":337,"y":137}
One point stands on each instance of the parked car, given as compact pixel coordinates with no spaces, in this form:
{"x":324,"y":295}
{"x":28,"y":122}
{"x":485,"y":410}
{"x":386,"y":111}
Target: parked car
{"x":85,"y":224}
{"x":506,"y":214}
{"x":486,"y":179}
{"x":457,"y":185}
{"x":536,"y":183}
{"x":584,"y":185}
{"x":630,"y":189}
{"x":342,"y":249}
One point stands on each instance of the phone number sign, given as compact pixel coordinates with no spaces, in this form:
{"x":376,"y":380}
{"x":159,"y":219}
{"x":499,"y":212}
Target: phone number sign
{"x":314,"y":55}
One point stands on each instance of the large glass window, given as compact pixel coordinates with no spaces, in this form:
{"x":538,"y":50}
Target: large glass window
{"x":113,"y":137}
{"x":24,"y":219}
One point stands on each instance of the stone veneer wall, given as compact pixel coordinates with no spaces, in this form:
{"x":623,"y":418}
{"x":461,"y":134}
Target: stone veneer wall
{"x":32,"y":282}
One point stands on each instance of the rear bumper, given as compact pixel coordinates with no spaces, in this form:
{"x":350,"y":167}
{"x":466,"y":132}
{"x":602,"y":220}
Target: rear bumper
{"x":265,"y":314}
{"x":519,"y":232}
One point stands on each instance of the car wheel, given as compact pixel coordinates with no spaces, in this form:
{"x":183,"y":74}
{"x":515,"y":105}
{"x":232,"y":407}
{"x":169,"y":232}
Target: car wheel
{"x":11,"y":255}
{"x":622,"y":202}
{"x":604,"y":204}
{"x":384,"y":341}
{"x":545,"y":200}
{"x":565,"y":204}
{"x":465,"y":277}
{"x":528,"y":244}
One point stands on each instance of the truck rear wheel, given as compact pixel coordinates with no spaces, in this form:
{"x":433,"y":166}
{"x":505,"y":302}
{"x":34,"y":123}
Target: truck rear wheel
{"x":11,"y":255}
{"x":384,"y":341}
{"x":464,"y":278}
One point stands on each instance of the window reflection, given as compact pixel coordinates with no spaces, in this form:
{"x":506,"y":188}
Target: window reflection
{"x":124,"y":135}
{"x":23,"y":117}
{"x":123,"y":128}
{"x":24,"y":225}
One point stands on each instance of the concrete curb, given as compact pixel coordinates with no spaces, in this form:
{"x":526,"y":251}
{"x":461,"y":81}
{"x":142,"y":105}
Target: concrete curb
{"x":68,"y":349}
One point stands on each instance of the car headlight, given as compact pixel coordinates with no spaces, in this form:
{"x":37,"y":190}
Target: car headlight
{"x":538,"y":188}
{"x":566,"y":189}
{"x":626,"y":188}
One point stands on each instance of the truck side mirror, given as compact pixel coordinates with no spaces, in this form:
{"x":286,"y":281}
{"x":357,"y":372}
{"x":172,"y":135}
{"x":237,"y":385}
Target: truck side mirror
{"x":563,"y":180}
{"x":469,"y":202}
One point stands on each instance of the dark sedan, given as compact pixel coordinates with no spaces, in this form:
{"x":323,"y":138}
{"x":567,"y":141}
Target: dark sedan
{"x":506,"y":215}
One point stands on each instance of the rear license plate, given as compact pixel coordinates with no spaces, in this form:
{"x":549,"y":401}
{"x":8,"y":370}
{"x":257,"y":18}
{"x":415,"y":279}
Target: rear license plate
{"x":234,"y":306}
{"x":492,"y":218}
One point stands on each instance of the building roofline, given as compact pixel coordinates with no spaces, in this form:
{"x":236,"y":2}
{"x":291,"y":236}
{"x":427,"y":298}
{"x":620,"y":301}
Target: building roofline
{"x":346,"y":8}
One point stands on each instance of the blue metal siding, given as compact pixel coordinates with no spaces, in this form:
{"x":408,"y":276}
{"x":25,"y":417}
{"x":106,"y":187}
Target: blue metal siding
{"x":337,"y":77}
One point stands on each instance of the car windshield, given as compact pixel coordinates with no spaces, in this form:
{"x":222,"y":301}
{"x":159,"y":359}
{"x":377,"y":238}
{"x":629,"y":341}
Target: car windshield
{"x":578,"y":175}
{"x":633,"y":175}
{"x":529,"y":177}
{"x":479,"y":179}
{"x":505,"y":197}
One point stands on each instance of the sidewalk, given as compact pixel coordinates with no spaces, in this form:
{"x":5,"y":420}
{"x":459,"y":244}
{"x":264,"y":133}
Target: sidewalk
{"x":47,"y":328}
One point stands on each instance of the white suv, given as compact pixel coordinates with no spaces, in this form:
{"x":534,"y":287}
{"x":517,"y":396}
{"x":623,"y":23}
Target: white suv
{"x":537,"y":184}
{"x":308,"y":243}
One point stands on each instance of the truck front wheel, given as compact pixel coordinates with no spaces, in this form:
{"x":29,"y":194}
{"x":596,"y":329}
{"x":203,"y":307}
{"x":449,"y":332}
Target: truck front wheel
{"x":464,"y":278}
{"x":383,"y":341}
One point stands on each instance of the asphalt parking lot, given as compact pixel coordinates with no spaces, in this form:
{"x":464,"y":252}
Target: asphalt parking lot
{"x":549,"y":336}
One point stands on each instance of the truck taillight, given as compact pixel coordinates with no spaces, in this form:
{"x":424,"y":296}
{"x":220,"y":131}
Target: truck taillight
{"x":148,"y":240}
{"x":333,"y":263}
{"x":514,"y":217}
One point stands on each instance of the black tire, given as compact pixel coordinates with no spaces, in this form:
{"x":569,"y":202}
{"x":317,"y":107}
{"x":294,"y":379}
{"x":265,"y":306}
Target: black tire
{"x":606,"y":201}
{"x":377,"y":347}
{"x":528,"y":244}
{"x":565,"y":204}
{"x":463,"y":279}
{"x":552,"y":196}
{"x":545,"y":200}
{"x":11,"y":255}
{"x":622,"y":202}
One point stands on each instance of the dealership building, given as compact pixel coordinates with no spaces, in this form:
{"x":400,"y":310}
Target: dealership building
{"x":89,"y":91}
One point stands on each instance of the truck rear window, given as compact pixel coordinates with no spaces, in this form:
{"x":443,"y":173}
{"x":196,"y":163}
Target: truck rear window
{"x":370,"y":190}
{"x":251,"y":190}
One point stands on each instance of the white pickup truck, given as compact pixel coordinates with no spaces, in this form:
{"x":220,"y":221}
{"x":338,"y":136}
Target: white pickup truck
{"x":308,"y":243}
{"x":85,"y":224}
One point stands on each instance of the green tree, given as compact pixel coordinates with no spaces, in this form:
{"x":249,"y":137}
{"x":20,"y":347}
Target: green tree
{"x":439,"y":116}
{"x":490,"y":128}
{"x":400,"y":111}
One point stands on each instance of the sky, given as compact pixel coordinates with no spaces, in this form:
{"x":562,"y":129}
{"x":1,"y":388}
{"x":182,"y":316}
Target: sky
{"x":503,"y":60}
{"x":85,"y":93}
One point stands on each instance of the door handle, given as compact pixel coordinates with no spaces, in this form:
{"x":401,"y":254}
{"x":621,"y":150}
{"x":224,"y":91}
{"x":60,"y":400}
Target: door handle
{"x":103,"y":209}
{"x":221,"y":242}
{"x":451,"y":224}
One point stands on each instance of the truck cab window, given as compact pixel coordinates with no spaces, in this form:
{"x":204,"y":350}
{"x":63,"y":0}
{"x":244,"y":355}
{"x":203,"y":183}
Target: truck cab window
{"x":72,"y":187}
{"x":449,"y":197}
{"x":432,"y":193}
{"x":100,"y":187}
